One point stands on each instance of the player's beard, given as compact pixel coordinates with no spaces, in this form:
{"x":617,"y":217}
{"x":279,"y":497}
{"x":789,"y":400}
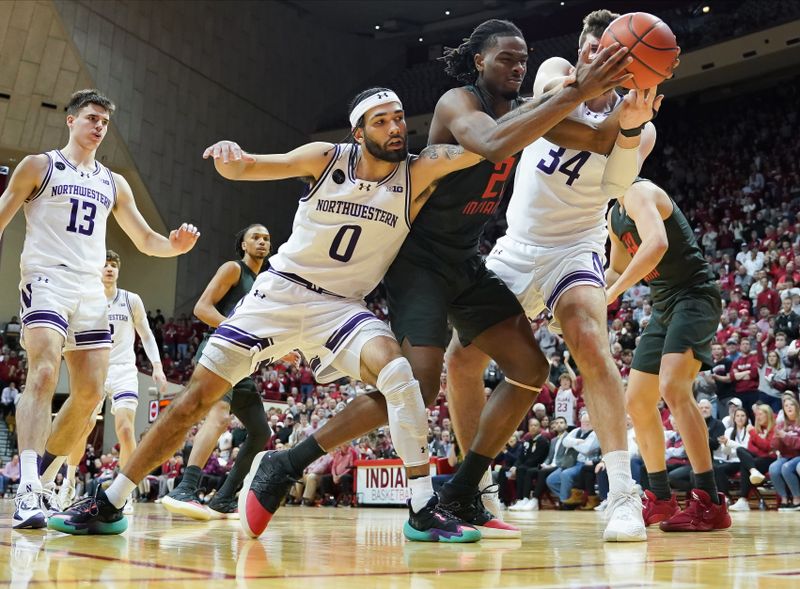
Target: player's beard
{"x":377,"y":151}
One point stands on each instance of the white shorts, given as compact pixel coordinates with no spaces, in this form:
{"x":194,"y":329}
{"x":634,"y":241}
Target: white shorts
{"x":539,"y":276}
{"x":71,"y":304}
{"x":122,"y":387}
{"x":279,"y":315}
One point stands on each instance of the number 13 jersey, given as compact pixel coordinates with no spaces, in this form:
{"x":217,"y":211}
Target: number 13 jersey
{"x":66,"y":218}
{"x":558,"y":198}
{"x":347,"y":231}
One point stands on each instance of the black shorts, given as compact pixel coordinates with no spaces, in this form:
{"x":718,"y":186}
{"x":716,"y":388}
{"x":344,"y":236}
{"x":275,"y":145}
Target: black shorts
{"x":691,"y":323}
{"x":422,"y":299}
{"x":242,"y":394}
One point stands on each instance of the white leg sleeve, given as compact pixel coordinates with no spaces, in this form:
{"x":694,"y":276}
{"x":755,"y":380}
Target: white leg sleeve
{"x":407,"y":421}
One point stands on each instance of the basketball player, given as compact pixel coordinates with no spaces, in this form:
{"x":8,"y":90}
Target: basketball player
{"x":67,"y":196}
{"x":127,"y":317}
{"x":651,"y":240}
{"x":438,"y":273}
{"x":232,"y":281}
{"x":353,"y":217}
{"x":551,"y":258}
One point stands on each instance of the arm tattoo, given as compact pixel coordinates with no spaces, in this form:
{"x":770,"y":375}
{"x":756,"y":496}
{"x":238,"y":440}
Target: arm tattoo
{"x":433,"y":152}
{"x":528,"y":106}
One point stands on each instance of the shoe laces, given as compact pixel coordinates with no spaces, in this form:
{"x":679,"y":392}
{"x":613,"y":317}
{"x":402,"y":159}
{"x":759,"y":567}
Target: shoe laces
{"x":86,"y":505}
{"x":490,"y":490}
{"x":624,"y":506}
{"x":28,"y":500}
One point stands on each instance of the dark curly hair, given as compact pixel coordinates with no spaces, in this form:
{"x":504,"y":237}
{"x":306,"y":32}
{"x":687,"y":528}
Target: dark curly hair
{"x":460,"y":61}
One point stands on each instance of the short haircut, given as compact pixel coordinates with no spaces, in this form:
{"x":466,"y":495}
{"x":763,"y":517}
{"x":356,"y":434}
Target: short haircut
{"x":112,"y":256}
{"x":595,"y":24}
{"x":89,"y":96}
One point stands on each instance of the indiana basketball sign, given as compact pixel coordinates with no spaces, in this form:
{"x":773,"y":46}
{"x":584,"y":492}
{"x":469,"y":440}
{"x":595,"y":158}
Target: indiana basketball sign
{"x":382,"y":482}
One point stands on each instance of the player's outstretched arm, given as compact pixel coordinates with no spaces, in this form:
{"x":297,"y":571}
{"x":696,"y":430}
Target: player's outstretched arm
{"x":645,"y":210}
{"x":24,"y":182}
{"x":435,"y":162}
{"x":149,"y":343}
{"x":233,"y":163}
{"x":146,"y":240}
{"x":226,"y":277}
{"x":498,"y":140}
{"x":634,"y":142}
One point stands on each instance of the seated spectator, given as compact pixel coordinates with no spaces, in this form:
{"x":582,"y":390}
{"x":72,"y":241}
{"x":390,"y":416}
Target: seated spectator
{"x":385,"y":449}
{"x":783,"y":471}
{"x":582,"y":446}
{"x":305,"y":490}
{"x":503,"y":463}
{"x":525,"y":469}
{"x":170,"y":471}
{"x":756,"y":458}
{"x":213,"y":474}
{"x":364,"y":449}
{"x":337,"y":488}
{"x":775,"y":381}
{"x":725,"y":459}
{"x":9,"y":475}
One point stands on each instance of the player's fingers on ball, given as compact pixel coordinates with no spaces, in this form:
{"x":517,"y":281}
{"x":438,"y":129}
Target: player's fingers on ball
{"x":657,"y":102}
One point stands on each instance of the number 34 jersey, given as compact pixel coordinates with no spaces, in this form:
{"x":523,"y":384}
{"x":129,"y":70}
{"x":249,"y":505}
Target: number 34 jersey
{"x":558,"y":197}
{"x":347,"y":231}
{"x":66,"y":218}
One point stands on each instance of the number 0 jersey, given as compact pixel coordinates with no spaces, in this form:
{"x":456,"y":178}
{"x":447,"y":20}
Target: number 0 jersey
{"x":558,"y":198}
{"x":347,"y":231}
{"x":66,"y":219}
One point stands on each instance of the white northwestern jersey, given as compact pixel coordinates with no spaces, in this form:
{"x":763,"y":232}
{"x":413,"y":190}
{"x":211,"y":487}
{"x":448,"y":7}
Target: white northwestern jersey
{"x":558,"y":199}
{"x":347,"y":231}
{"x":124,"y":310}
{"x":66,"y":219}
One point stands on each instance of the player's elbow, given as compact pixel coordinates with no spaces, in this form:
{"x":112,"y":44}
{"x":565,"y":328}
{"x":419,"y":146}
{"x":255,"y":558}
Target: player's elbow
{"x":659,"y":245}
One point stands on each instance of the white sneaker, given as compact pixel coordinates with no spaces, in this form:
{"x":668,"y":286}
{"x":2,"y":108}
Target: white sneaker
{"x":756,"y":477}
{"x":28,"y":513}
{"x":602,"y":506}
{"x":66,"y":494}
{"x":519,"y":505}
{"x":624,"y":517}
{"x":740,"y":505}
{"x":128,"y":508}
{"x":532,"y":505}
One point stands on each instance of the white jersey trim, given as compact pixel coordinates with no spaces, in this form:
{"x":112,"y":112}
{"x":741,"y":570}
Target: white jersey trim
{"x":46,"y":179}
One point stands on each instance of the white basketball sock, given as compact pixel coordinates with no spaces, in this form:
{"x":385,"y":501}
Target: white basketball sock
{"x":29,"y":470}
{"x":618,"y":465}
{"x":120,"y":490}
{"x":421,"y":492}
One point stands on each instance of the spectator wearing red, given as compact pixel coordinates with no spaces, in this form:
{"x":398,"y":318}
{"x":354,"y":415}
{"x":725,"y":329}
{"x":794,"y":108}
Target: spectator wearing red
{"x":757,"y":457}
{"x":744,"y":374}
{"x":340,"y":484}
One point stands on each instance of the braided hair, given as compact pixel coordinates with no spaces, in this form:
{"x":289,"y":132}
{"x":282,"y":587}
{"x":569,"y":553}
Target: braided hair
{"x":240,"y":238}
{"x":460,"y":61}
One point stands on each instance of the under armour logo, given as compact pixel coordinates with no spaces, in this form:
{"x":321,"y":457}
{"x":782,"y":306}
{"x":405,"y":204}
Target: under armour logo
{"x":382,"y":95}
{"x":362,"y":186}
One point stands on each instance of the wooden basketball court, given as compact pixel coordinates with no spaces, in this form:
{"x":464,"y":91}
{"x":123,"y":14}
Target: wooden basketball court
{"x":364,"y":548}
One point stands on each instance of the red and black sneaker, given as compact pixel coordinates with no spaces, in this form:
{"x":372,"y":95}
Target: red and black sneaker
{"x":655,"y":510}
{"x":701,"y":515}
{"x":265,"y":486}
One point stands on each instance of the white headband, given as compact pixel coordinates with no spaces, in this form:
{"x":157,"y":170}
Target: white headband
{"x":377,"y":99}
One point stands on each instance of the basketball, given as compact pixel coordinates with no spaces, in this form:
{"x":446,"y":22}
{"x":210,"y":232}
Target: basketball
{"x":651,"y":43}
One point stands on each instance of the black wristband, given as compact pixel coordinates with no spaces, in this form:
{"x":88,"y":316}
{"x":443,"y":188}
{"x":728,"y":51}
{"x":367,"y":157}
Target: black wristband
{"x":635,"y":132}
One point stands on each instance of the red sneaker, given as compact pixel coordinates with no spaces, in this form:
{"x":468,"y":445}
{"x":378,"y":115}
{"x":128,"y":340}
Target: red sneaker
{"x":701,"y":515}
{"x":655,"y":510}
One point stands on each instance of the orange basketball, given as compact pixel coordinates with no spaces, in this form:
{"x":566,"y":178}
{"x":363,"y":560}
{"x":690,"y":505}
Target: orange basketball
{"x":651,"y":43}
